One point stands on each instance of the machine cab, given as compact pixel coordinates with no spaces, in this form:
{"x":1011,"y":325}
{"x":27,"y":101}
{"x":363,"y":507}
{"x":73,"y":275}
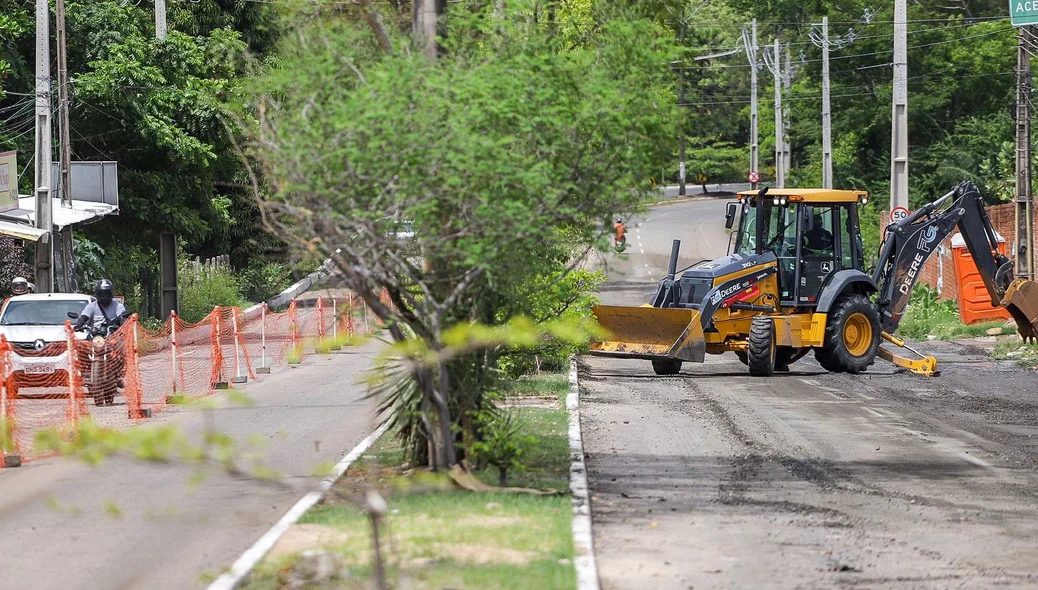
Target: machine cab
{"x":813,"y":232}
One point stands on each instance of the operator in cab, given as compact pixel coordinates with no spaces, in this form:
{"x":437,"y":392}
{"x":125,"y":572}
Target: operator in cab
{"x":104,"y":308}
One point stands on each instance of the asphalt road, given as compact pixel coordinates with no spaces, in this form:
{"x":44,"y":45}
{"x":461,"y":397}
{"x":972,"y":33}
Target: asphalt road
{"x":692,"y":189}
{"x":126,"y":524}
{"x":714,"y":479}
{"x":698,"y":224}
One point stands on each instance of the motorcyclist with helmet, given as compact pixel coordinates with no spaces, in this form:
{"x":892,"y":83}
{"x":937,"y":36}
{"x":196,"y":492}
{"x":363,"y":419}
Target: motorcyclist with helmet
{"x":21,"y":286}
{"x":104,"y":309}
{"x":620,"y":240}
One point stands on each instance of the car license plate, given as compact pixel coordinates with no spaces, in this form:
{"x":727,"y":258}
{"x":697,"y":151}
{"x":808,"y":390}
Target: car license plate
{"x":39,"y":369}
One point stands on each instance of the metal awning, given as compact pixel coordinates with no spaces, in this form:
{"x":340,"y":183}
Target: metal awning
{"x":80,"y":212}
{"x":20,"y":231}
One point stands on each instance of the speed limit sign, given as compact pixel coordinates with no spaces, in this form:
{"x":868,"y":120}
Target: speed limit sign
{"x":754,"y":177}
{"x":897,"y":214}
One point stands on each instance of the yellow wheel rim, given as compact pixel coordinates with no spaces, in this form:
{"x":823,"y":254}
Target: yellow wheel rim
{"x":857,"y":334}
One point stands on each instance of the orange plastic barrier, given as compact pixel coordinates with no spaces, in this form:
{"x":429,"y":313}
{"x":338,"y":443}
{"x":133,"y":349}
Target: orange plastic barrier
{"x":48,"y":389}
{"x":973,"y":298}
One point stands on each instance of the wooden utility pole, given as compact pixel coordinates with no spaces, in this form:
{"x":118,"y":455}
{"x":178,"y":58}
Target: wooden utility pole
{"x":753,"y":103}
{"x":827,"y":140}
{"x":780,"y":140}
{"x":1024,"y":238}
{"x":45,"y":245}
{"x":899,"y":110}
{"x":65,"y":266}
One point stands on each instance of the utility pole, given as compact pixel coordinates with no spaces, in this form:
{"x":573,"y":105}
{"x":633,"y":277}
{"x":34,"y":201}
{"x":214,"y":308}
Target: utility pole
{"x":425,"y":18}
{"x":780,"y":140}
{"x":65,"y":275}
{"x":899,"y":112}
{"x":682,"y":169}
{"x":827,"y":140}
{"x":160,"y":19}
{"x":1024,"y":201}
{"x":787,"y":82}
{"x":168,"y":297}
{"x":753,"y":105}
{"x":45,"y":245}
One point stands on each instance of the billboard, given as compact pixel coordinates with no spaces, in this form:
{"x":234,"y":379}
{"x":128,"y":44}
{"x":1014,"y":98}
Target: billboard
{"x":8,"y":180}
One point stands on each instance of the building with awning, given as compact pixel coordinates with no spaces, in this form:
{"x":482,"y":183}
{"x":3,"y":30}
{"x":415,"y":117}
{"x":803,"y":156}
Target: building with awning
{"x":95,"y":194}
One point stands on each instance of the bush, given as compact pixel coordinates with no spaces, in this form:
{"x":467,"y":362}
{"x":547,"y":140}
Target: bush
{"x":503,"y":444}
{"x":265,"y":280}
{"x":200,"y":293}
{"x":557,"y":296}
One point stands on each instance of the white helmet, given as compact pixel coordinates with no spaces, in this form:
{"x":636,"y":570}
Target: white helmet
{"x":20,"y":286}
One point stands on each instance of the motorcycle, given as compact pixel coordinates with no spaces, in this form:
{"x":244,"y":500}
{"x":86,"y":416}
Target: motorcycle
{"x":101,"y":363}
{"x":620,"y":245}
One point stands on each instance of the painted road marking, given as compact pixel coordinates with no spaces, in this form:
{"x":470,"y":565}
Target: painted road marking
{"x":248,"y":560}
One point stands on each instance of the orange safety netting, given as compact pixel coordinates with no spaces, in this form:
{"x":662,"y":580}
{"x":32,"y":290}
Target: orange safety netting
{"x":136,"y":372}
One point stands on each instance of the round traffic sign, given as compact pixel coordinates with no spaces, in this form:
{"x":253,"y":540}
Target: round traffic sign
{"x":897,"y":214}
{"x":754,"y":177}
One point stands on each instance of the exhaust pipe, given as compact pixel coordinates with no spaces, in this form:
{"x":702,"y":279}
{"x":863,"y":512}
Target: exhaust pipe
{"x":672,"y":269}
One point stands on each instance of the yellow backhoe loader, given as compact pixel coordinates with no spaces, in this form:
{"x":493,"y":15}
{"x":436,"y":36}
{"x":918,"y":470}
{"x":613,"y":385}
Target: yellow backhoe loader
{"x":795,"y":282}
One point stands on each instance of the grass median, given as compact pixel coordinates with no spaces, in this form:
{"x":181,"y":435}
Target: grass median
{"x":437,"y":535}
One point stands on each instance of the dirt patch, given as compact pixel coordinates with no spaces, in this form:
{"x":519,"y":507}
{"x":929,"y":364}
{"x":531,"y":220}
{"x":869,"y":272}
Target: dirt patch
{"x":301,"y":537}
{"x":549,"y":403}
{"x":483,"y":554}
{"x":489,"y":521}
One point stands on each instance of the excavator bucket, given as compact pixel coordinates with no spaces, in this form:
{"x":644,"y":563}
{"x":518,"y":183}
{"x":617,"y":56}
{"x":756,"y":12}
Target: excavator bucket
{"x":1021,"y":300}
{"x":650,"y":333}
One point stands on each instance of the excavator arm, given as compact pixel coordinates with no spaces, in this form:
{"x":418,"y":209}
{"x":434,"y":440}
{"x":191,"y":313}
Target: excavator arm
{"x":908,"y":244}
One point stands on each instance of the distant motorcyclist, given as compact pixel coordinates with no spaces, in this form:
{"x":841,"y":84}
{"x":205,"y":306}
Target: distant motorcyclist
{"x":104,"y":308}
{"x":620,"y":241}
{"x":21,"y":286}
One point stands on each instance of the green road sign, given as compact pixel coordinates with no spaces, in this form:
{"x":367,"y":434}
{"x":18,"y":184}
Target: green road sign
{"x":1023,"y":12}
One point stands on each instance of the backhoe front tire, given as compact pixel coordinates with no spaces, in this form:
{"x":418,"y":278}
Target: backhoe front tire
{"x":666,"y":366}
{"x":852,"y":335}
{"x":761,"y":349}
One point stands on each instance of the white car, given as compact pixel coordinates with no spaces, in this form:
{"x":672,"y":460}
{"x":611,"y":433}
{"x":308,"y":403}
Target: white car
{"x":31,"y":323}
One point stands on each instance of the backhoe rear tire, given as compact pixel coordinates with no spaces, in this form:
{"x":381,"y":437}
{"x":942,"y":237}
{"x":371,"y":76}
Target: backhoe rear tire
{"x":760,"y":353}
{"x":852,"y":334}
{"x":666,"y":366}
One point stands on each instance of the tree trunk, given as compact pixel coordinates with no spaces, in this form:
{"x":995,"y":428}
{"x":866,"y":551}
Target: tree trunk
{"x":502,"y":476}
{"x":441,"y":438}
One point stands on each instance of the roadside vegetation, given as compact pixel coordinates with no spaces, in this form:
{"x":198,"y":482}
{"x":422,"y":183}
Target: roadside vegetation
{"x":1025,"y":354}
{"x":438,"y":535}
{"x":929,"y":316}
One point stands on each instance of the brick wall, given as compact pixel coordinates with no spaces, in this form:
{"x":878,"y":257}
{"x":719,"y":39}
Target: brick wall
{"x":940,"y":266}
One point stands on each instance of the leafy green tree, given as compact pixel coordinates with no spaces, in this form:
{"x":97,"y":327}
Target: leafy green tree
{"x":490,"y":151}
{"x":156,"y":108}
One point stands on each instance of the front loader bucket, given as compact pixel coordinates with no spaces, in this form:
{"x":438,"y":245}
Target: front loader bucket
{"x":1022,"y":302}
{"x":650,"y":333}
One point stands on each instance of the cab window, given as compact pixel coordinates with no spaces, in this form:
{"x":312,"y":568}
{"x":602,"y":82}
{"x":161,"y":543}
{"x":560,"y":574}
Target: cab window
{"x":746,"y":242}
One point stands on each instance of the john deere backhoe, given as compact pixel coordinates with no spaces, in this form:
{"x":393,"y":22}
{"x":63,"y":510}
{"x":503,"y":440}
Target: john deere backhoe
{"x":795,"y":282}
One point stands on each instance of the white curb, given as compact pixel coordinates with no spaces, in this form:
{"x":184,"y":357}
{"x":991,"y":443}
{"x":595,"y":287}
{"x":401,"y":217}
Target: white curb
{"x":587,"y":571}
{"x":243,"y":566}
